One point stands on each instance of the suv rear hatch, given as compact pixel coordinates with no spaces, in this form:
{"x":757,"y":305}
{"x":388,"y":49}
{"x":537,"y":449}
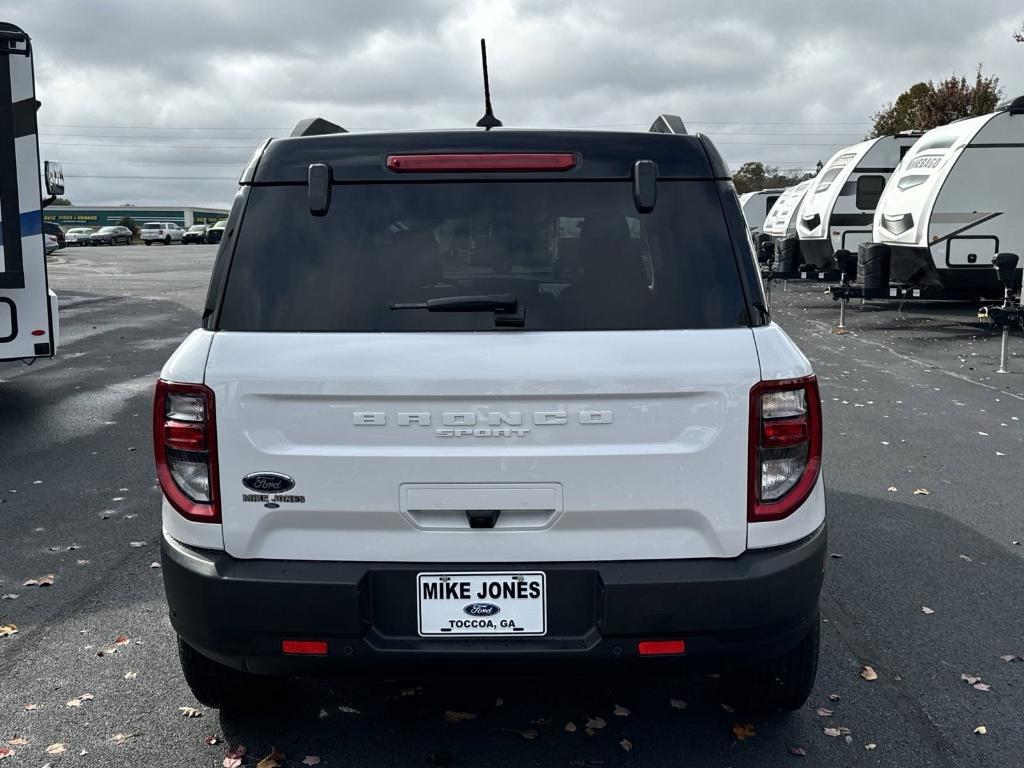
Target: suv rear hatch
{"x":604,"y":416}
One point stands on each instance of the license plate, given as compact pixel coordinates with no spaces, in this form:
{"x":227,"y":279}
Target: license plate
{"x":481,"y":604}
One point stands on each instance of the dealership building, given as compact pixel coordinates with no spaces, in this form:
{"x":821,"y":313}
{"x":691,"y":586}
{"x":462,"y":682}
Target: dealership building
{"x":108,"y":215}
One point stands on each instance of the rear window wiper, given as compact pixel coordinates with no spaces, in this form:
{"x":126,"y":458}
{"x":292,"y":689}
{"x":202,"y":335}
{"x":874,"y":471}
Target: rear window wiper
{"x":505,"y":307}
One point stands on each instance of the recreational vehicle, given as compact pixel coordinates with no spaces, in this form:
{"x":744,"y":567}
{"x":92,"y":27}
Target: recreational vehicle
{"x":839,"y":206}
{"x":755,"y":206}
{"x":28,"y":309}
{"x":955,"y":202}
{"x":780,"y":226}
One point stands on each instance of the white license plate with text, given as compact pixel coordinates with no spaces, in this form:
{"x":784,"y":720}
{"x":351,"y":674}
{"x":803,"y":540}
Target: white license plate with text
{"x":481,"y":604}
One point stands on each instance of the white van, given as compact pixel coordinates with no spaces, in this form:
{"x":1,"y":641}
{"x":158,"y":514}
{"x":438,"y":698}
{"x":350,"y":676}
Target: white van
{"x":839,"y":206}
{"x":28,"y":308}
{"x":955,"y":202}
{"x":755,"y":206}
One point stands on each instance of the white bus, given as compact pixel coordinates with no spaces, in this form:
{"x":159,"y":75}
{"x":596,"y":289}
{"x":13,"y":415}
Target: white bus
{"x":956,"y":201}
{"x":28,"y":308}
{"x":839,"y":206}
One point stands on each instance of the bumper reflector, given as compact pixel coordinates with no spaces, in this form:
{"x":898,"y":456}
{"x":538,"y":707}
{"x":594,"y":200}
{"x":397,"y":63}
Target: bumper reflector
{"x":304,"y":647}
{"x":661,"y":647}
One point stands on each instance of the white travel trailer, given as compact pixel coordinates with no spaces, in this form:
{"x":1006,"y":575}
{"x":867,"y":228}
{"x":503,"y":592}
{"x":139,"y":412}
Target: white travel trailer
{"x":839,"y":206}
{"x":955,"y":202}
{"x":28,"y":309}
{"x":780,"y":226}
{"x":755,"y":206}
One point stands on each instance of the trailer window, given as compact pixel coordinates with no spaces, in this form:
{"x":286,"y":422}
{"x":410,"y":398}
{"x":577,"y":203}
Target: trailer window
{"x":869,"y":191}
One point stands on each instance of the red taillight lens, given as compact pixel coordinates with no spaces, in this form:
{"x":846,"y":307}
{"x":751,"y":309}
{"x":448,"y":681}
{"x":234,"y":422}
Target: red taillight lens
{"x":185,"y":447}
{"x":661,"y":647}
{"x":785,"y":446}
{"x":304,"y":647}
{"x":516,"y":161}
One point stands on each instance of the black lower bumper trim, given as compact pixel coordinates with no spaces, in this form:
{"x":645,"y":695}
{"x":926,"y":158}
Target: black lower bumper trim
{"x":239,"y":611}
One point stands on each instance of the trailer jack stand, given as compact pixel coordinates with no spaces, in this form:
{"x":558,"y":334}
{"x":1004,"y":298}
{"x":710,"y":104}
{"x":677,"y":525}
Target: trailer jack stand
{"x":844,"y":292}
{"x":1009,"y":314}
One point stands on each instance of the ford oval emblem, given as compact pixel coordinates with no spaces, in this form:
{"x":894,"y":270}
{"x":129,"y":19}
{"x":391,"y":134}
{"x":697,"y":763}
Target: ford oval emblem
{"x":481,"y":609}
{"x":268,"y":482}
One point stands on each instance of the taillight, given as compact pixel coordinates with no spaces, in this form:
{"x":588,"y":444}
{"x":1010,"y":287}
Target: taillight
{"x":785,"y":446}
{"x":487,"y":161}
{"x":185,"y":446}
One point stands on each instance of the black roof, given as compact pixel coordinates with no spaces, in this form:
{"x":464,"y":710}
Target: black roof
{"x":601,"y":154}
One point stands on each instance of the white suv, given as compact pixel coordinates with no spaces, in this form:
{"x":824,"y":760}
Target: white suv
{"x":165,"y":232}
{"x":490,"y":397}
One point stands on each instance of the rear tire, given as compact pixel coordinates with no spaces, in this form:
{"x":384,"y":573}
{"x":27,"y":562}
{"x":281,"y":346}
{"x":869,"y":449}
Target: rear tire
{"x":783,"y":683}
{"x":149,"y":242}
{"x":220,"y":687}
{"x":167,"y":240}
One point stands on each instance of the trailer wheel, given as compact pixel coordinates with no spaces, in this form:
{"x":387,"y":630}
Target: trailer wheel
{"x":873,"y":261}
{"x":789,"y":256}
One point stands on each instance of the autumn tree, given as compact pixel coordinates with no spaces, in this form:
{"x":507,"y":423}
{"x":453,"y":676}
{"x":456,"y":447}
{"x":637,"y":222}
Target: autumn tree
{"x":924,"y":106}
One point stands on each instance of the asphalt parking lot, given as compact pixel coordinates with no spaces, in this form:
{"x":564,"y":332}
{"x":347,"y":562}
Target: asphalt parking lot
{"x":924,"y":447}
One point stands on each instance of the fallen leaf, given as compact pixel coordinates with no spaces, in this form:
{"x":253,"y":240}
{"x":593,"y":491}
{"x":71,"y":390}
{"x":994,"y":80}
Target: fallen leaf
{"x":451,"y":716}
{"x":870,"y":746}
{"x":833,"y":697}
{"x":569,"y":728}
{"x":121,"y":640}
{"x":323,"y":714}
{"x":868,"y":673}
{"x":595,"y":723}
{"x":981,"y":730}
{"x":56,"y":749}
{"x":926,"y":610}
{"x":965,"y":557}
{"x":529,"y":734}
{"x":31,"y":707}
{"x":798,"y":751}
{"x":727,"y":707}
{"x":120,"y":738}
{"x":84,"y":562}
{"x":311,"y":760}
{"x":626,"y":744}
{"x":836,"y":556}
{"x":234,"y":756}
{"x":743,"y":731}
{"x":130,"y":675}
{"x":6,"y":630}
{"x":18,"y":741}
{"x":42,"y":581}
{"x":232,"y":762}
{"x":353,"y":710}
{"x":969,"y":679}
{"x":836,"y":731}
{"x":273,"y":760}
{"x":1010,"y":657}
{"x":155,"y":565}
{"x":8,"y":596}
{"x":213,"y":741}
{"x":190,"y":712}
{"x":982,"y":687}
{"x":893,"y":489}
{"x":5,"y":752}
{"x":922,"y":492}
{"x":677,"y":703}
{"x":620,"y":711}
{"x":823,"y":712}
{"x":137,"y":544}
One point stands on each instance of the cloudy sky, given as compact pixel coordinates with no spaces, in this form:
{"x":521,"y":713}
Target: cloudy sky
{"x":151,"y":103}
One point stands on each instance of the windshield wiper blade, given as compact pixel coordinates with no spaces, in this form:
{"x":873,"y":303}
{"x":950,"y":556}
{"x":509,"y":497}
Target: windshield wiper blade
{"x":502,"y":302}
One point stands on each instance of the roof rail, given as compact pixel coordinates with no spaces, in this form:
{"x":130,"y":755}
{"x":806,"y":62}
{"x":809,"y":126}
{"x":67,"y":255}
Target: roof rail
{"x":315,"y":126}
{"x":668,"y":124}
{"x":1013,"y":106}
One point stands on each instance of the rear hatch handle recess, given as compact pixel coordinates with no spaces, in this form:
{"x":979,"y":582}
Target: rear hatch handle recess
{"x":506,"y":308}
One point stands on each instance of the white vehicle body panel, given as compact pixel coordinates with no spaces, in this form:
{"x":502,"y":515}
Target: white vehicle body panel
{"x":962,"y":187}
{"x":27,"y":306}
{"x":833,"y":216}
{"x":755,"y":206}
{"x":781,"y":219}
{"x":166,"y":230}
{"x":634,"y":443}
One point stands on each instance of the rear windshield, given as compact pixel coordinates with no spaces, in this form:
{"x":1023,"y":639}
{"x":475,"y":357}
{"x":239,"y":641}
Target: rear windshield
{"x":576,"y":256}
{"x":152,"y":226}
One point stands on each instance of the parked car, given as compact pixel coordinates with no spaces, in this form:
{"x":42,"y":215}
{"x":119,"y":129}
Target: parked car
{"x":79,"y":236}
{"x":115,"y":235}
{"x":50,"y":244}
{"x":216,"y":232}
{"x":165,"y":232}
{"x":50,"y":228}
{"x":195,"y":234}
{"x":533,"y":410}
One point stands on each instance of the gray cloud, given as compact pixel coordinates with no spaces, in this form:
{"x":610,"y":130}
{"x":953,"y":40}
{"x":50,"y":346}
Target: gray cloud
{"x":787,"y":82}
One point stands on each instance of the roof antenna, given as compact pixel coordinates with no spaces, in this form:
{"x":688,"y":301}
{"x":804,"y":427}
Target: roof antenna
{"x":488,"y":121}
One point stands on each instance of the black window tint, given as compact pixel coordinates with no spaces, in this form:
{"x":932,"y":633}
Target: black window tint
{"x":577,"y":255}
{"x":770,"y":200}
{"x":869,"y":191}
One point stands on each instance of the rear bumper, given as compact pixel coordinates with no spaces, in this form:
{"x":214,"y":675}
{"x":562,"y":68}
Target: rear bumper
{"x":238,"y":611}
